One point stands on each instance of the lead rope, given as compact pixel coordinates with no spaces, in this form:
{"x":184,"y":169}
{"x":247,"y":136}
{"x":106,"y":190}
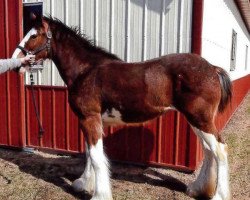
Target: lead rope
{"x":41,"y":130}
{"x":25,"y":51}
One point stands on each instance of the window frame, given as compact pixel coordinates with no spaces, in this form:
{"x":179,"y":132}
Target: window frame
{"x":246,"y":57}
{"x":233,"y":51}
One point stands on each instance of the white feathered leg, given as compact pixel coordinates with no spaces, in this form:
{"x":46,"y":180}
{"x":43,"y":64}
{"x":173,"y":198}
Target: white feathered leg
{"x":223,"y":189}
{"x":219,"y":151}
{"x":101,"y":168}
{"x":87,"y":180}
{"x":205,"y":184}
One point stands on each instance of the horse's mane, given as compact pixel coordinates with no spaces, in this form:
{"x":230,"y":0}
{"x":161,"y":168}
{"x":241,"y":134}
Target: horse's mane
{"x":81,"y":37}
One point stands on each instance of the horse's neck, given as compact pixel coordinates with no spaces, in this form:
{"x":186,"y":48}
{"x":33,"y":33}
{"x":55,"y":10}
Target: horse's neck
{"x":67,"y":69}
{"x":69,"y":62}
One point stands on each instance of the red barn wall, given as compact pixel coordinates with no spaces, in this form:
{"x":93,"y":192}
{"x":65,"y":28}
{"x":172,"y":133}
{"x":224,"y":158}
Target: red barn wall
{"x":11,"y":84}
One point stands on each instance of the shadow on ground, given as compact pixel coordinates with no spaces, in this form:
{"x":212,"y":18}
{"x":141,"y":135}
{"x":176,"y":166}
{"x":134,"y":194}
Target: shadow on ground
{"x":62,"y":170}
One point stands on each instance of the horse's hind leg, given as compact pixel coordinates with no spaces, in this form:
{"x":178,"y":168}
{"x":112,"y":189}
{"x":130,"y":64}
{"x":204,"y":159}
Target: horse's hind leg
{"x":205,"y":184}
{"x":93,"y":130}
{"x":219,"y":151}
{"x":200,"y":111}
{"x":87,"y":180}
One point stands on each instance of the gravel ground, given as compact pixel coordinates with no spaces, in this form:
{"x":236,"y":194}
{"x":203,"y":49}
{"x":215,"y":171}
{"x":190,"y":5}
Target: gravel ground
{"x":44,"y":176}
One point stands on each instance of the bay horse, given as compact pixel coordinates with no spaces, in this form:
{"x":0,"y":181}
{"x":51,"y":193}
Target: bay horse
{"x":104,"y":90}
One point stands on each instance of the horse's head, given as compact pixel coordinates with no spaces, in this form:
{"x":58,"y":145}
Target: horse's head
{"x":37,"y":41}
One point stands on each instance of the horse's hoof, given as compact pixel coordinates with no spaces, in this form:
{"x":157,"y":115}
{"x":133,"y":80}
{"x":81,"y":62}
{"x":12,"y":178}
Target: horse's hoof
{"x":195,"y":193}
{"x":101,"y":197}
{"x":78,"y":185}
{"x":219,"y":197}
{"x":191,"y":192}
{"x":195,"y":190}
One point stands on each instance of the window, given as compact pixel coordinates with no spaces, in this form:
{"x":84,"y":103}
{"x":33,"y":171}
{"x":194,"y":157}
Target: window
{"x":233,"y":51}
{"x":28,"y":8}
{"x":246,"y":58}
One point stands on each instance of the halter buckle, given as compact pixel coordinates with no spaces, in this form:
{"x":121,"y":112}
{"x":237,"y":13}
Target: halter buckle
{"x":49,"y":34}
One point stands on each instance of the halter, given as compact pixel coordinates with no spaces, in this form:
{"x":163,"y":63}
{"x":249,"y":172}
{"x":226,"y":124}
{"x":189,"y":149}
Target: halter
{"x":47,"y":46}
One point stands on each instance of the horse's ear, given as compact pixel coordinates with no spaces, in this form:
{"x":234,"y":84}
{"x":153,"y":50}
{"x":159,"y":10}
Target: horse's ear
{"x":45,"y":25}
{"x":36,"y":19}
{"x":32,"y":16}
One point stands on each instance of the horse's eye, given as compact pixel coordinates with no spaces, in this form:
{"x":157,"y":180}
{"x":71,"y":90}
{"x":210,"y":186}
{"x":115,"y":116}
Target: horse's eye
{"x":33,"y":36}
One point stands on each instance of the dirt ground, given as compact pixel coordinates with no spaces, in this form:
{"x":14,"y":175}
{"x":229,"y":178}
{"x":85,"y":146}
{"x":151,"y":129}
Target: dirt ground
{"x":44,"y":176}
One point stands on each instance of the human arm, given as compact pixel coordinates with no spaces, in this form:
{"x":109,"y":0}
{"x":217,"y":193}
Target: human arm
{"x":10,"y":64}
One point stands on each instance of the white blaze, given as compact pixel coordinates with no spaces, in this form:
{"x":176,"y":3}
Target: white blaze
{"x":22,"y":43}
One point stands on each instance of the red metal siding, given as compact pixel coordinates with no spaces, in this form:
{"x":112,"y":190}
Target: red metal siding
{"x":167,"y":143}
{"x":195,"y":150}
{"x":11,"y":84}
{"x":240,"y":89}
{"x":60,"y":124}
{"x":47,"y":118}
{"x":197,"y":26}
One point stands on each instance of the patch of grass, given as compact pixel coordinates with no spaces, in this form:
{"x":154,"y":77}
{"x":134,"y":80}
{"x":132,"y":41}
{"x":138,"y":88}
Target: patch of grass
{"x":248,"y":110}
{"x":232,"y":140}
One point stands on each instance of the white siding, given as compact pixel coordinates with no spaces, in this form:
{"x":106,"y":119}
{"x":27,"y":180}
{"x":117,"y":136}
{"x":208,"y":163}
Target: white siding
{"x":220,"y":18}
{"x":135,"y":30}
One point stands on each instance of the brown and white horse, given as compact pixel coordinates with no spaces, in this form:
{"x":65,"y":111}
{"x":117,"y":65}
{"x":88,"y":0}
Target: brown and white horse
{"x":106,"y":90}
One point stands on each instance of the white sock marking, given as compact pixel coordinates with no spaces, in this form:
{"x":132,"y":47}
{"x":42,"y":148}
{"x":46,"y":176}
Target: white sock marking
{"x":101,"y":167}
{"x":223,"y":189}
{"x":87,"y":180}
{"x":220,"y":154}
{"x":206,"y":180}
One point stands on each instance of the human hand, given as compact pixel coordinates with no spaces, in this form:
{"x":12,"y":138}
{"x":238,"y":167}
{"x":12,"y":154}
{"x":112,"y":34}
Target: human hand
{"x":29,"y":59}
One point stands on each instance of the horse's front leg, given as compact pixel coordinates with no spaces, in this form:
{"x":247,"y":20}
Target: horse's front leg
{"x":87,"y":180}
{"x":93,"y":131}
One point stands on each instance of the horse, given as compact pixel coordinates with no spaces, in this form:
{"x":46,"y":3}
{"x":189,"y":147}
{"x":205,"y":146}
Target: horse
{"x":104,"y":90}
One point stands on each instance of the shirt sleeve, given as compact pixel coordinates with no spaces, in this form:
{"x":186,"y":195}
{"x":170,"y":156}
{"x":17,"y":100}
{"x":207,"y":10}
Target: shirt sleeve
{"x":9,"y":64}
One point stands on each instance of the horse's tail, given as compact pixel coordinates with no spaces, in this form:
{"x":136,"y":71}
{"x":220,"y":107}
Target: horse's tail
{"x":226,"y":88}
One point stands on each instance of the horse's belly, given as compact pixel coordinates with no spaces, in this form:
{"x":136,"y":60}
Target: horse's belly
{"x":114,"y":117}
